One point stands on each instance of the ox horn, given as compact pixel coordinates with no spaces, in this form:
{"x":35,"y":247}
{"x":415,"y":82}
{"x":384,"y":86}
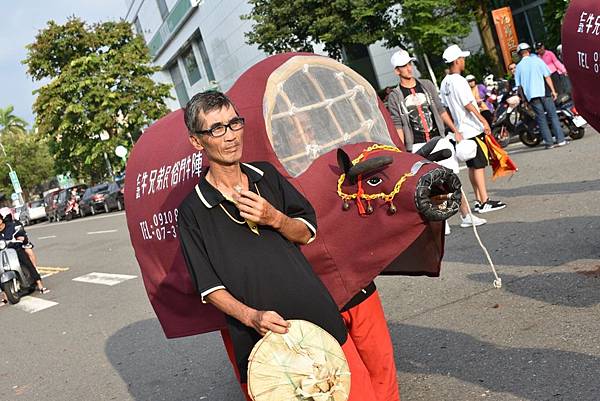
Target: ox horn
{"x":369,"y":165}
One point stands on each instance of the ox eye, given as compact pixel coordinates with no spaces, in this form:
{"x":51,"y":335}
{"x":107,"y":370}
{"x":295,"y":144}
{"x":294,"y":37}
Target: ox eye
{"x":374,"y":181}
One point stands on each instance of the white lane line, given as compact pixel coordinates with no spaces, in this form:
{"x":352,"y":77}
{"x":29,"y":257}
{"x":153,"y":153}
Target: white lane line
{"x":47,"y":236}
{"x":102,"y":232}
{"x":75,"y":221}
{"x":104,"y":278}
{"x":33,"y":304}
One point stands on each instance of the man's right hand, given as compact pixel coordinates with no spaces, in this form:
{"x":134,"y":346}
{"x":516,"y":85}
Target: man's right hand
{"x":486,"y":128}
{"x":263,"y":321}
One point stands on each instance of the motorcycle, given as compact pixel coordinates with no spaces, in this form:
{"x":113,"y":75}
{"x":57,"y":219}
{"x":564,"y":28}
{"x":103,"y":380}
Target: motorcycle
{"x":15,"y":281}
{"x":72,"y":208}
{"x":571,"y":123}
{"x":508,"y":123}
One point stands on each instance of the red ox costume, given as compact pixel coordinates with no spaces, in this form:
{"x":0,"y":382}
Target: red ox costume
{"x":322,"y":127}
{"x":581,"y":55}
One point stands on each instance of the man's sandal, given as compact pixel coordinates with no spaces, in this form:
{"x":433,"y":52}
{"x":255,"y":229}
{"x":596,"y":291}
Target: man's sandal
{"x":43,"y":290}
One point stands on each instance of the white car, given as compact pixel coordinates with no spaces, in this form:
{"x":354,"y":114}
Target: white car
{"x":33,"y":211}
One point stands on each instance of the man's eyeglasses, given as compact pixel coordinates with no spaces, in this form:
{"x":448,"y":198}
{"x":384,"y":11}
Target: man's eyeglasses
{"x":235,"y":124}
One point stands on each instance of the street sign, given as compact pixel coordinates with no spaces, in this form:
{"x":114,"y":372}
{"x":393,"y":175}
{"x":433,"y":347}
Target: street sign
{"x":15,"y":181}
{"x":65,"y":181}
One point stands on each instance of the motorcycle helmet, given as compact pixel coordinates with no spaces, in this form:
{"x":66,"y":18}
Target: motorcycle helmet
{"x":6,"y":214}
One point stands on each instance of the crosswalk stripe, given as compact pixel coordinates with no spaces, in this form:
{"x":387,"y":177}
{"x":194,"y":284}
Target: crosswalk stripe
{"x":104,"y":278}
{"x":33,"y":304}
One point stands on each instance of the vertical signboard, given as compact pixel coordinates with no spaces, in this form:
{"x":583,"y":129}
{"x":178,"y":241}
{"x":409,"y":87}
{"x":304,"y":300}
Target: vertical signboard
{"x":507,"y":35}
{"x":15,"y":181}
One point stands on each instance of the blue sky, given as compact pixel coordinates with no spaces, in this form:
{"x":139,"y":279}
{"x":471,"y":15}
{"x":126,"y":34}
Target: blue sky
{"x":21,"y":21}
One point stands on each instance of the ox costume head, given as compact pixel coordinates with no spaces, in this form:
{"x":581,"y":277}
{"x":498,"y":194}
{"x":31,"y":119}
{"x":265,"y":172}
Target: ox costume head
{"x":379,"y":209}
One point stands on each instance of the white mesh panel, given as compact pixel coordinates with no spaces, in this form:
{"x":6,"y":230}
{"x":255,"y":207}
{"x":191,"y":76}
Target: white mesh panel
{"x":318,"y":108}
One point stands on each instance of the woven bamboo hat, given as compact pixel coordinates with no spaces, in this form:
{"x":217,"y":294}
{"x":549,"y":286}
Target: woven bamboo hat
{"x":306,"y":364}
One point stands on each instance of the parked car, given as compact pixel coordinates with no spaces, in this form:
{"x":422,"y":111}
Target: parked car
{"x":114,"y":199}
{"x":64,"y":196}
{"x":93,"y":200}
{"x":51,"y":205}
{"x":32,"y":212}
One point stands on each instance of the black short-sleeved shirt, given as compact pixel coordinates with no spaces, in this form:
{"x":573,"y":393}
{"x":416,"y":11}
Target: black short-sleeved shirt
{"x":412,"y":103}
{"x":265,"y":271}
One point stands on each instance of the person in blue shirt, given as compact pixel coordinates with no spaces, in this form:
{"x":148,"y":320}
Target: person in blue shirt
{"x":533,"y":78}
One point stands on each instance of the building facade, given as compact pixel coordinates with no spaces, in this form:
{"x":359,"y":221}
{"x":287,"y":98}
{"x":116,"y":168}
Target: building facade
{"x":200,"y":44}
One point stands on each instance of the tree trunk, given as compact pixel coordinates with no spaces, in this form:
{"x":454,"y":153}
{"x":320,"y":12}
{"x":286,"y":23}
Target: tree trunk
{"x":431,"y":73}
{"x":486,"y":27}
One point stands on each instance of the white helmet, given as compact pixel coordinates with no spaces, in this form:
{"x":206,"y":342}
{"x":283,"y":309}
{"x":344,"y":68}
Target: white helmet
{"x":5,"y":211}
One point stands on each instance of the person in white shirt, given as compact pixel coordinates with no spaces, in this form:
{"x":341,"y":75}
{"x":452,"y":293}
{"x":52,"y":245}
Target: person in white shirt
{"x":457,"y":96}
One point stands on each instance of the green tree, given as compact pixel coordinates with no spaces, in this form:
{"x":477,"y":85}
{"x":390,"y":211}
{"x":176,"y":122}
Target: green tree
{"x":427,"y":27}
{"x":100,"y":87}
{"x":423,"y":26}
{"x":9,"y":123}
{"x":283,"y":25}
{"x":29,"y":156}
{"x":554,"y":12}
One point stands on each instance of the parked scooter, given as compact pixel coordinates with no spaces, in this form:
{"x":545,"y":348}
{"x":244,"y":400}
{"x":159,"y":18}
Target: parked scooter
{"x":508,"y":123}
{"x":14,"y":280}
{"x":571,"y":123}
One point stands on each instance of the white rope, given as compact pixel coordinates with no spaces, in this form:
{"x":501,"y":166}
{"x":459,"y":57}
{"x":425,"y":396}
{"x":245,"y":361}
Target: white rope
{"x":498,"y":280}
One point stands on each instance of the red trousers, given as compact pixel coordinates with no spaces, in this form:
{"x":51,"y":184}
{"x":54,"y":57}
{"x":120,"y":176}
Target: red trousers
{"x":368,"y":329}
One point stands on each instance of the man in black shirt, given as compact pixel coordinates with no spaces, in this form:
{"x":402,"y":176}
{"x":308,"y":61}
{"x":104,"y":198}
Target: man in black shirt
{"x":240,"y":229}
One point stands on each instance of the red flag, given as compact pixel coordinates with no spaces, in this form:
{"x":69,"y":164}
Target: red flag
{"x":501,"y":163}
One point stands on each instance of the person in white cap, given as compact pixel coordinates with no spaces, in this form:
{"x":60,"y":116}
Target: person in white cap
{"x":480,"y":92}
{"x":534,"y":82}
{"x":419,"y":116}
{"x":456,"y":94}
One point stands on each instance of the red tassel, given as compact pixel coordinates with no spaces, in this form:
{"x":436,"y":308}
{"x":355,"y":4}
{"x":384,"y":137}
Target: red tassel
{"x":359,"y":205}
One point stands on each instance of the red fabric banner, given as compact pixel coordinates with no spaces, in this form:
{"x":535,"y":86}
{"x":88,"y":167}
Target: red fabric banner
{"x":581,"y":56}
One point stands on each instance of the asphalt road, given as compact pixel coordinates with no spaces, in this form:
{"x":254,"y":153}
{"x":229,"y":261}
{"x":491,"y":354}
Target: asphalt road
{"x":456,"y":337}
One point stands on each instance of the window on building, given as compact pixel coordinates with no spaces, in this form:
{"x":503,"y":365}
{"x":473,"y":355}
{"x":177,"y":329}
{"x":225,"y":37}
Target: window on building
{"x":162,"y":7}
{"x":180,"y":90}
{"x":205,"y":60}
{"x":191,"y":66}
{"x":138,"y":26}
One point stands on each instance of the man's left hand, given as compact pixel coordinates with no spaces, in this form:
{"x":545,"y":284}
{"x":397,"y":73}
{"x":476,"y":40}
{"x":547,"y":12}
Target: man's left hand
{"x":257,"y":209}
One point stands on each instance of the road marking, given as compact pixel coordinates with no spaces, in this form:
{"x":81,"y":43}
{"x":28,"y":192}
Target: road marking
{"x":102,"y":232}
{"x":76,"y":221}
{"x":49,"y":271}
{"x":104,"y":278}
{"x":47,"y":236}
{"x":33,"y":304}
